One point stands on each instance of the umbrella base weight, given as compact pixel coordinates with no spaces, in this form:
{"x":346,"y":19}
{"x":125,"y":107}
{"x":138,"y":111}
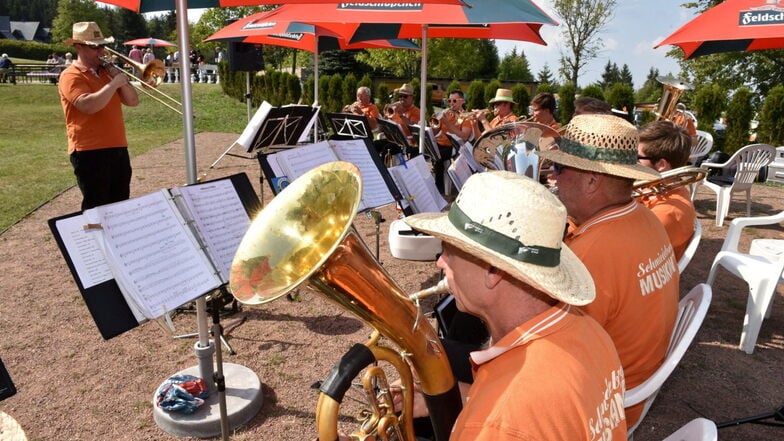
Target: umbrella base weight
{"x":243,"y":401}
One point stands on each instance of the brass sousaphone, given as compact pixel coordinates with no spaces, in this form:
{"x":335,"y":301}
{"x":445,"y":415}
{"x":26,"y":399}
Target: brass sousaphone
{"x":305,"y":236}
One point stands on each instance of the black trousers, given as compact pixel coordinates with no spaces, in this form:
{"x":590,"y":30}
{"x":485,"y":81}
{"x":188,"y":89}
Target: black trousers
{"x":439,"y":166}
{"x":103,"y":176}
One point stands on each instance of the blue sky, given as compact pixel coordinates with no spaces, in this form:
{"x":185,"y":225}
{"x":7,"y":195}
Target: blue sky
{"x":629,"y":37}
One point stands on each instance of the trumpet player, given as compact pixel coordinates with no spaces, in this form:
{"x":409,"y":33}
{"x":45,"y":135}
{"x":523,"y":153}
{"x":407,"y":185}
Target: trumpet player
{"x":92,"y":94}
{"x":363,"y":106}
{"x":404,"y":111}
{"x":450,"y":121}
{"x":665,"y":146}
{"x":502,"y":110}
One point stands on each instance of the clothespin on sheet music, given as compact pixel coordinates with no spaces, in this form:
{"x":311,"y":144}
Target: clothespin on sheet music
{"x":88,"y":227}
{"x":401,"y":158}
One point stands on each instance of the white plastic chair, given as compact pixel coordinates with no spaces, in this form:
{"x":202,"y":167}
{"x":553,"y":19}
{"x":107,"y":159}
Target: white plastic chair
{"x":761,"y":268}
{"x":702,"y":147}
{"x":698,"y":429}
{"x":747,"y":163}
{"x":691,"y":312}
{"x":691,"y":248}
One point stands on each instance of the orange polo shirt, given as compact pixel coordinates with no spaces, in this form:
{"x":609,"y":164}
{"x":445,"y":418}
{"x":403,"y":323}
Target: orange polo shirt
{"x":412,"y":114}
{"x":556,"y":376}
{"x":443,"y":138}
{"x":370,"y":110}
{"x":676,"y":212}
{"x":630,"y":258}
{"x":102,"y":129}
{"x":497,"y":121}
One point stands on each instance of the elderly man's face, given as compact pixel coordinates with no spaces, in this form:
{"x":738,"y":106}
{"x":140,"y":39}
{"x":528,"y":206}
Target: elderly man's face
{"x":464,"y":273}
{"x":363,"y":97}
{"x":570,"y":182}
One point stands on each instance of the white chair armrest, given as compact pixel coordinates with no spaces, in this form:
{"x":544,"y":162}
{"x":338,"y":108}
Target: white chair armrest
{"x":737,"y":226}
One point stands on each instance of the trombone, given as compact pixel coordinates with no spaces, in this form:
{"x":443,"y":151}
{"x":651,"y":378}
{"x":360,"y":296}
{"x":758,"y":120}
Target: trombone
{"x":150,"y":75}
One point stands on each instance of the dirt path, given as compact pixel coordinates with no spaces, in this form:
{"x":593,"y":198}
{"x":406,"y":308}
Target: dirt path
{"x":75,"y":386}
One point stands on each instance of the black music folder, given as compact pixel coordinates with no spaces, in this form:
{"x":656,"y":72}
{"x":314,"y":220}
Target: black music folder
{"x":138,"y":259}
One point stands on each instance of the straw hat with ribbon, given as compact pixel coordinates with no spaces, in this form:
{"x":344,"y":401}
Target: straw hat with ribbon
{"x":522,"y":235}
{"x":406,"y":89}
{"x":88,"y":32}
{"x":603,"y":144}
{"x":503,"y":95}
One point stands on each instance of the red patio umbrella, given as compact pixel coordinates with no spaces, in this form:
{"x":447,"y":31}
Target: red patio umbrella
{"x":149,"y":42}
{"x":261,"y":29}
{"x":523,"y":16}
{"x":734,"y":25}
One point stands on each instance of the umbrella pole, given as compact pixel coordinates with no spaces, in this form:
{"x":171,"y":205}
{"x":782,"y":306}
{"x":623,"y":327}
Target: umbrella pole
{"x":245,"y":399}
{"x":316,"y":88}
{"x":423,"y":91}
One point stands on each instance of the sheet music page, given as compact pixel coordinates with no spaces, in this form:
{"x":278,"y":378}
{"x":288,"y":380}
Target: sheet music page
{"x":220,"y":219}
{"x":297,"y":161}
{"x":247,"y":136}
{"x":153,"y":255}
{"x":410,"y":177}
{"x":429,"y":182}
{"x":459,"y":171}
{"x":466,"y":150}
{"x":85,"y":251}
{"x":405,"y":203}
{"x":375,"y":192}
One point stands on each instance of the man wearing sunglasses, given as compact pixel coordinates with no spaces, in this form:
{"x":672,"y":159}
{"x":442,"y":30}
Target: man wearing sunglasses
{"x":92,"y":94}
{"x":451,"y":125}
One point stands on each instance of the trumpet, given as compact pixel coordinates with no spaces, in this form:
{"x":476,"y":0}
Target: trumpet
{"x":522,"y":119}
{"x":354,"y":108}
{"x":150,"y":75}
{"x":435,"y":120}
{"x":391,"y":109}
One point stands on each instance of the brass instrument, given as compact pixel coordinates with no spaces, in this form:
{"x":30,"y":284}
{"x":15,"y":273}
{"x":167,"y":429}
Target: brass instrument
{"x":435,"y":120}
{"x":495,"y":147}
{"x":305,"y":236}
{"x":354,"y":108}
{"x":673,"y":89}
{"x":528,"y":119}
{"x":150,"y":77}
{"x":670,"y":180}
{"x":391,"y":109}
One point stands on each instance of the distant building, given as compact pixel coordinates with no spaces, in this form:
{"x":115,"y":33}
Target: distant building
{"x":24,"y":30}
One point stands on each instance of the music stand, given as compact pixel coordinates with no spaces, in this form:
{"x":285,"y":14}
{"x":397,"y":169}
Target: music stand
{"x":393,"y":132}
{"x":283,"y":126}
{"x":349,"y":125}
{"x":431,"y":147}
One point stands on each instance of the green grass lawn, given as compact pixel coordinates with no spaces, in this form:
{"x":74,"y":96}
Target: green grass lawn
{"x":33,"y":144}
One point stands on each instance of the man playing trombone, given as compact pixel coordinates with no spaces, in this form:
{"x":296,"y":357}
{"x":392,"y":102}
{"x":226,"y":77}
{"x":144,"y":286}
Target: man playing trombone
{"x":92,"y":93}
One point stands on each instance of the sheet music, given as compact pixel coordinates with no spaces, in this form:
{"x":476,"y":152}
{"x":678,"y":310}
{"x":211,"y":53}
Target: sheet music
{"x":375,"y":192}
{"x":419,"y":185}
{"x":85,"y":251}
{"x":298,"y":161}
{"x":466,"y":151}
{"x":220,"y":219}
{"x":459,"y":171}
{"x":154,"y":258}
{"x":247,"y":136}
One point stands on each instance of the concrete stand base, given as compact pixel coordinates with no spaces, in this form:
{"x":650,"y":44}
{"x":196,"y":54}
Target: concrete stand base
{"x":243,"y":402}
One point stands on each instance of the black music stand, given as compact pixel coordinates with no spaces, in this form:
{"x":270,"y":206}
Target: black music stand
{"x":431,"y":147}
{"x":350,"y":125}
{"x":394,"y":133}
{"x":283,"y":126}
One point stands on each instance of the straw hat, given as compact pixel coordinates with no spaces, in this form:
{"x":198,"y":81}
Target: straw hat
{"x":88,"y":32}
{"x":603,"y":144}
{"x":521,"y":235}
{"x":503,"y":95}
{"x":405,"y":89}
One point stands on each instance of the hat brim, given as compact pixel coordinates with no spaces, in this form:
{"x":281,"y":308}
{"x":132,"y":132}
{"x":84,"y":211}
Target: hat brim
{"x":72,"y":41}
{"x":569,"y":282}
{"x":631,"y":171}
{"x":501,"y":100}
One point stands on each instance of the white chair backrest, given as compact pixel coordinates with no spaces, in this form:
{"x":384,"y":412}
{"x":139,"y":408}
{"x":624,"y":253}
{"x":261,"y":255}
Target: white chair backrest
{"x":698,"y":429}
{"x":749,"y":160}
{"x":691,"y":313}
{"x":691,"y":248}
{"x":702,"y":147}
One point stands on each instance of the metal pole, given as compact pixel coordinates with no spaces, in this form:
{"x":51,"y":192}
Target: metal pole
{"x":423,"y":91}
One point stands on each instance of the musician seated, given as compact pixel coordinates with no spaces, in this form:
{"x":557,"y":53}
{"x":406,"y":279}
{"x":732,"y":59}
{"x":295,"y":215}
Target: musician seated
{"x":682,"y":119}
{"x":363,"y":106}
{"x":663,"y":147}
{"x":588,"y":105}
{"x":505,"y":263}
{"x":623,"y":244}
{"x":543,"y":110}
{"x":404,"y":111}
{"x":450,"y":121}
{"x":502,"y":110}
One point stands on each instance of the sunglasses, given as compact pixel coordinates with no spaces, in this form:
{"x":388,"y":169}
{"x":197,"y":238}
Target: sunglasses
{"x":648,"y":158}
{"x":455,"y":100}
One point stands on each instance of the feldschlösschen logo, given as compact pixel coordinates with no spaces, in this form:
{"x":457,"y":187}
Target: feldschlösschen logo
{"x":771,"y":13}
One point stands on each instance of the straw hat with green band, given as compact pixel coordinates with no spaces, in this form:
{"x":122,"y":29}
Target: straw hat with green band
{"x":515,"y":224}
{"x":502,"y":96}
{"x":603,"y":144}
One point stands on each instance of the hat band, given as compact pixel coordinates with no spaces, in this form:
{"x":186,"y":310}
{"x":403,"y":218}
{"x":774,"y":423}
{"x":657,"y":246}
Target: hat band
{"x":502,"y":243}
{"x":616,"y":156}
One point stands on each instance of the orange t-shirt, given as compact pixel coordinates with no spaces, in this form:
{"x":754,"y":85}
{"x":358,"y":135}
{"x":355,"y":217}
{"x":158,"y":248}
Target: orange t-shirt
{"x":630,"y":258}
{"x":412,"y":114}
{"x":443,"y":138}
{"x":370,"y":110}
{"x":497,"y":121}
{"x":676,"y":212}
{"x":557,"y":376}
{"x":102,"y":129}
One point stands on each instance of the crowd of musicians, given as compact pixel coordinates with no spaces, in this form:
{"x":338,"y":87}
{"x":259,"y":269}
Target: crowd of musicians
{"x":567,"y":298}
{"x":554,"y":327}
